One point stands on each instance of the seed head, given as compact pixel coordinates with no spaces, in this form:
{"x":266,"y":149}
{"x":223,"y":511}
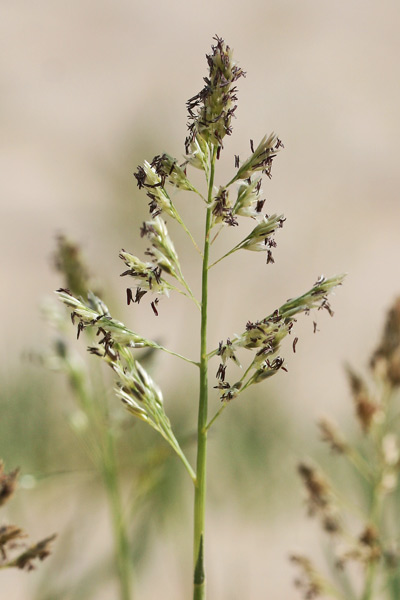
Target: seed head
{"x":148,"y":177}
{"x":309,"y":582}
{"x":68,"y":261}
{"x":94,"y":314}
{"x":248,"y":202}
{"x":8,"y":483}
{"x":211,"y":110}
{"x":146,"y":275}
{"x":331,"y":435}
{"x":198,"y":153}
{"x":40,"y":550}
{"x":222,"y":208}
{"x":366,"y":408}
{"x":261,"y":239}
{"x":386,"y":358}
{"x":169,"y":170}
{"x":261,"y":158}
{"x":163,"y":251}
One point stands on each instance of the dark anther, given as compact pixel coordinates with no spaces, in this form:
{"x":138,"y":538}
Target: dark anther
{"x":140,"y":176}
{"x":139,"y":294}
{"x":221,"y":372}
{"x":153,"y":306}
{"x":260,"y":205}
{"x":81,"y":327}
{"x":95,"y":350}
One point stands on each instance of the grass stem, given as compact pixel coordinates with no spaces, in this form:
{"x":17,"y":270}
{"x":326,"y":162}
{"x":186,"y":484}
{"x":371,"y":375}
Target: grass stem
{"x":199,"y":592}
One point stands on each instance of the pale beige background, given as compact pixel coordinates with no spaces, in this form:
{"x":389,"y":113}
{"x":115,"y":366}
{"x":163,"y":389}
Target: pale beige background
{"x":90,"y":88}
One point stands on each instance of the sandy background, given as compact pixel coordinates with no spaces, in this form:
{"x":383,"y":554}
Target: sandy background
{"x":89,"y":89}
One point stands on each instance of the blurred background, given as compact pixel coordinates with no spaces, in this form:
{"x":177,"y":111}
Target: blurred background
{"x":88,"y":91}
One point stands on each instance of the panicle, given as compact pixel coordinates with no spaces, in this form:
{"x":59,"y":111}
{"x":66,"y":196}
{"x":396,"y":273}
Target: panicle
{"x":229,"y":392}
{"x":163,"y":251}
{"x":147,"y":275}
{"x":94,"y":314}
{"x":366,"y":549}
{"x":211,"y":110}
{"x":8,"y":483}
{"x":137,"y":390}
{"x":331,"y":435}
{"x":366,"y":409}
{"x":147,"y":177}
{"x":385,"y":360}
{"x":248,"y":202}
{"x":316,"y":297}
{"x":141,"y":395}
{"x":40,"y":550}
{"x":261,"y":239}
{"x":319,"y":497}
{"x":198,"y":153}
{"x":310,"y":582}
{"x":168,"y":169}
{"x":265,"y":336}
{"x":222,"y":208}
{"x":261,"y":158}
{"x":68,"y":261}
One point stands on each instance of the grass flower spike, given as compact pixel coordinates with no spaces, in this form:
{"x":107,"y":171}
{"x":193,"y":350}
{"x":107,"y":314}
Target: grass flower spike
{"x":210,"y":114}
{"x":211,"y":110}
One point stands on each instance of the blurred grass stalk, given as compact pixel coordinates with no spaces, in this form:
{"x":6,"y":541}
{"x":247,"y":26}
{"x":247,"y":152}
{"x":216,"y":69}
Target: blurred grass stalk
{"x":362,"y":530}
{"x":92,"y":422}
{"x":103,"y":446}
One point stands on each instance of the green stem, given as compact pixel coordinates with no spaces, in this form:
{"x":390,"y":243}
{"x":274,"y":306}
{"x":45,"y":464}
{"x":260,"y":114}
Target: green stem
{"x":224,"y":256}
{"x":182,"y":224}
{"x":187,"y":231}
{"x":187,"y":286}
{"x":101,"y":448}
{"x":168,"y":351}
{"x":215,"y":417}
{"x":174,"y":444}
{"x":199,"y":591}
{"x":376,"y":510}
{"x":121,"y":542}
{"x":371,"y":568}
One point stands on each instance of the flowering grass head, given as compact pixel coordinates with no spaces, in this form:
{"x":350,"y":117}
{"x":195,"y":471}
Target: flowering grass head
{"x":226,"y":204}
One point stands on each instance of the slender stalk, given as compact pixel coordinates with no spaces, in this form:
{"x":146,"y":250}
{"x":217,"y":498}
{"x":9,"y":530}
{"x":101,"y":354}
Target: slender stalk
{"x":371,"y":569}
{"x":188,"y":360}
{"x":185,"y":461}
{"x":225,"y":256}
{"x":101,"y":448}
{"x":121,"y":541}
{"x":376,"y":507}
{"x":199,"y":591}
{"x":215,"y":417}
{"x":180,"y":221}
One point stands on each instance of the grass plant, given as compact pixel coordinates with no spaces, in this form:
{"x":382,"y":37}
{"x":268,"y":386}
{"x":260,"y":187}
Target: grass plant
{"x":361,"y":515}
{"x":226,"y":206}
